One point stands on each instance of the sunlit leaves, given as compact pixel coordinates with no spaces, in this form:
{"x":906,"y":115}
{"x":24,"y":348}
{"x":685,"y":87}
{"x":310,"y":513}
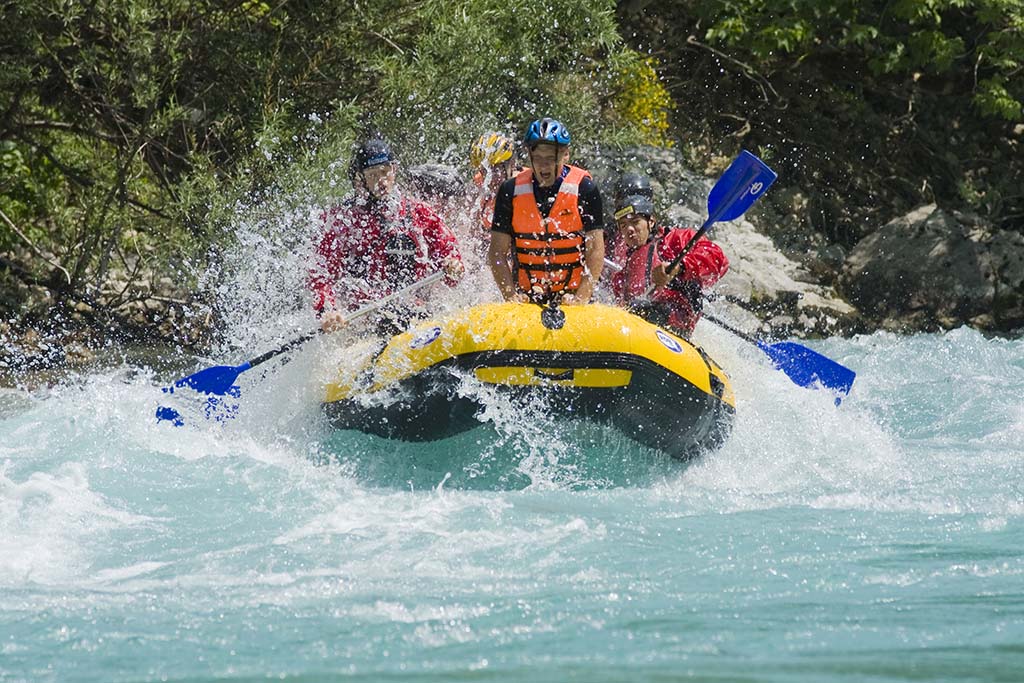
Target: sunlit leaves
{"x":502,"y":61}
{"x":641,"y":99}
{"x":982,"y":40}
{"x":993,"y":97}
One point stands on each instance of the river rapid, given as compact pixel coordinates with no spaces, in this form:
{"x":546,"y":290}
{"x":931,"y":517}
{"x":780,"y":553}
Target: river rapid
{"x":878,"y":540}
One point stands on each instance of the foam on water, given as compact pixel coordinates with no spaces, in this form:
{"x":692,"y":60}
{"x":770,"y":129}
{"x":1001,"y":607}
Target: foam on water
{"x":868,"y":541}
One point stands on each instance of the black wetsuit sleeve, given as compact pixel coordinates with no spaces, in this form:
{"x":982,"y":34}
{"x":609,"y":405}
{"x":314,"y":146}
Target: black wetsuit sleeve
{"x":502,"y":221}
{"x":591,"y":209}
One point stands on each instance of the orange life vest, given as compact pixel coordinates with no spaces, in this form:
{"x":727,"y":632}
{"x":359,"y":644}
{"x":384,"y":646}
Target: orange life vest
{"x":549,"y":252}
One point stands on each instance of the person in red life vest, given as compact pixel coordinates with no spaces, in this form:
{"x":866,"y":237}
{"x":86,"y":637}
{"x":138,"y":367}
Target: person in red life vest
{"x":676,"y":302}
{"x":629,"y":184}
{"x":377,"y":241}
{"x":547,"y":237}
{"x":492,"y":158}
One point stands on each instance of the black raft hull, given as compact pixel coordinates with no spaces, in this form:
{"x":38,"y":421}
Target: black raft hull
{"x":603,"y":364}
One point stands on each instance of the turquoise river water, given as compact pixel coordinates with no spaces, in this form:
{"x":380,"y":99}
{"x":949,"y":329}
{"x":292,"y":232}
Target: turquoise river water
{"x":882,"y":540}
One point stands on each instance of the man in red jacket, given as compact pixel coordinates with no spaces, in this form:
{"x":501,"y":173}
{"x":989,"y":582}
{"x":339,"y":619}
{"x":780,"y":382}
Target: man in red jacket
{"x":676,"y":300}
{"x":377,"y":241}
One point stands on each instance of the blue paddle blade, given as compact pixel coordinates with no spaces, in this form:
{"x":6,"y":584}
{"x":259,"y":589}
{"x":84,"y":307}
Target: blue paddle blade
{"x":743,"y":182}
{"x":807,"y":367}
{"x":165,"y":414}
{"x":216,"y":380}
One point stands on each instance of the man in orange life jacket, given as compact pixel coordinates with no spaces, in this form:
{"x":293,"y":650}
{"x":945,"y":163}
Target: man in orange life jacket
{"x":547,"y":238}
{"x":377,"y":241}
{"x":676,"y":301}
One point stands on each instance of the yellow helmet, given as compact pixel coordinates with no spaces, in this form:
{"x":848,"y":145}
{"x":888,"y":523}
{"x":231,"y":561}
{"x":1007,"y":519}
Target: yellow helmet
{"x":494,"y":148}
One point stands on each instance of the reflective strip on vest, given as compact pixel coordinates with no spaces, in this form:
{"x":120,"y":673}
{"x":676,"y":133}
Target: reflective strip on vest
{"x":549,"y":252}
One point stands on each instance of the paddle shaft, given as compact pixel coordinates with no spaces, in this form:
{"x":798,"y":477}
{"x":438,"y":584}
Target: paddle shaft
{"x":219,"y":380}
{"x":280,"y":349}
{"x":726,"y":326}
{"x":365,"y":310}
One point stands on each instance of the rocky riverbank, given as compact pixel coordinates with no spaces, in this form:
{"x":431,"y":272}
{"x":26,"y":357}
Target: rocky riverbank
{"x":925,"y":271}
{"x":928,"y":270}
{"x":46,"y":326}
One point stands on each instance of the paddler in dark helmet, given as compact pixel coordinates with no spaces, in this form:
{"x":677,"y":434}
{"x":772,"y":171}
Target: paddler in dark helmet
{"x":629,"y":184}
{"x":676,"y":301}
{"x":547,"y":241}
{"x":377,"y":240}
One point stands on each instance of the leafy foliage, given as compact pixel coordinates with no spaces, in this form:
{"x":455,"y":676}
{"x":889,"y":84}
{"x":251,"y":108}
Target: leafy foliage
{"x":980,"y":37}
{"x":642,"y":99}
{"x":129,"y":127}
{"x":867,"y":108}
{"x":121,"y":119}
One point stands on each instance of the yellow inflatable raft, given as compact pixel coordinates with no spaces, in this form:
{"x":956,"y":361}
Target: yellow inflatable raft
{"x":595,"y":362}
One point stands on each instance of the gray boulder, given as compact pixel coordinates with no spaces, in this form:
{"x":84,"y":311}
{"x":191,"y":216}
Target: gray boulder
{"x":934,"y":269}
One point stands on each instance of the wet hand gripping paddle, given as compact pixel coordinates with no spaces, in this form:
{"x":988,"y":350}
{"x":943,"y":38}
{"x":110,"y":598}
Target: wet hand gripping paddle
{"x":742,"y":184}
{"x":219,"y":380}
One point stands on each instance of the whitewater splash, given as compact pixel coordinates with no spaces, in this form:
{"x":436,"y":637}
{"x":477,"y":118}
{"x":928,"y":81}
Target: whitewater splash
{"x":911,"y":438}
{"x":525,"y":549}
{"x":483,"y":550}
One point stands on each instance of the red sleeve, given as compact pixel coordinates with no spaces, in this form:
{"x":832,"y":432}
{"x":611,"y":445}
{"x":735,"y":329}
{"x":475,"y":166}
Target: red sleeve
{"x":617,"y":280}
{"x":324,"y":272}
{"x":441,"y":242}
{"x":706,"y":262}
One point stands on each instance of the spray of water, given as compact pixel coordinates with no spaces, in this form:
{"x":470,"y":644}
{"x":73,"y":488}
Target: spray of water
{"x":788,"y":441}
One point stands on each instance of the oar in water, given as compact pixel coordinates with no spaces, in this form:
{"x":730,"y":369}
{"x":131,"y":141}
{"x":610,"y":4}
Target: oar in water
{"x":746,"y":179}
{"x":219,"y":380}
{"x":805,"y":366}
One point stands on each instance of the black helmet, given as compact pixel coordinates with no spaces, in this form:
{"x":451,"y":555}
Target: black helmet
{"x":637,"y":203}
{"x":634,"y":184}
{"x":373,"y":152}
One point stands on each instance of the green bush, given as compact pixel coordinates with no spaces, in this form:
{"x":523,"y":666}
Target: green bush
{"x":982,"y":41}
{"x":131,"y":126}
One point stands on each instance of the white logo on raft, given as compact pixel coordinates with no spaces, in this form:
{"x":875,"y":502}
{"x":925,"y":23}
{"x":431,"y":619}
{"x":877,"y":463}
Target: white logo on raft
{"x":756,"y":188}
{"x":670,"y":343}
{"x":425,"y":337}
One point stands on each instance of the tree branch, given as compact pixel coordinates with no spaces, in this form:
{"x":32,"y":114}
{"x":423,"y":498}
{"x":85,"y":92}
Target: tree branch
{"x":71,"y":128}
{"x":746,"y":69}
{"x":38,"y":252}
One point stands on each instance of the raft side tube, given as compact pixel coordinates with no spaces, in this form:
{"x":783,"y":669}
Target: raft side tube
{"x":604,"y":364}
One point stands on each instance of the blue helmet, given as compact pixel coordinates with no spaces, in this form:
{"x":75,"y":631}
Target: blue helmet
{"x":546,"y":130}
